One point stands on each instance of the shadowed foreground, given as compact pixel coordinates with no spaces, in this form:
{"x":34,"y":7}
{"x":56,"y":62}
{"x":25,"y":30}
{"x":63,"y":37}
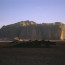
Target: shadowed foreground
{"x":33,"y":56}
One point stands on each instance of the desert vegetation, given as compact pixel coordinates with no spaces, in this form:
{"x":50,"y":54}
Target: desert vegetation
{"x":30,"y":44}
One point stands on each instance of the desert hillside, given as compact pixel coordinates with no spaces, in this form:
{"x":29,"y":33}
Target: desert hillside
{"x":33,"y":31}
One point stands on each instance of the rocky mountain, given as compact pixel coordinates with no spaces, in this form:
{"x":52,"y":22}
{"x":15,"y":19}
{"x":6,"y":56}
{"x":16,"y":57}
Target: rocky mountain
{"x":30,"y":30}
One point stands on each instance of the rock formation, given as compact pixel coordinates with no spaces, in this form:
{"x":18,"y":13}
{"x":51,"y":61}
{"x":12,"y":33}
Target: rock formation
{"x":33,"y":31}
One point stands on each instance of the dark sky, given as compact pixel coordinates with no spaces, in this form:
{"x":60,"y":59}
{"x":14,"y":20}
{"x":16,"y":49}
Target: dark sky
{"x":40,"y":11}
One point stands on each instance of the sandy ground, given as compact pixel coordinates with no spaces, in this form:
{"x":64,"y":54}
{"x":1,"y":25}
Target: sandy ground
{"x":55,"y":55}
